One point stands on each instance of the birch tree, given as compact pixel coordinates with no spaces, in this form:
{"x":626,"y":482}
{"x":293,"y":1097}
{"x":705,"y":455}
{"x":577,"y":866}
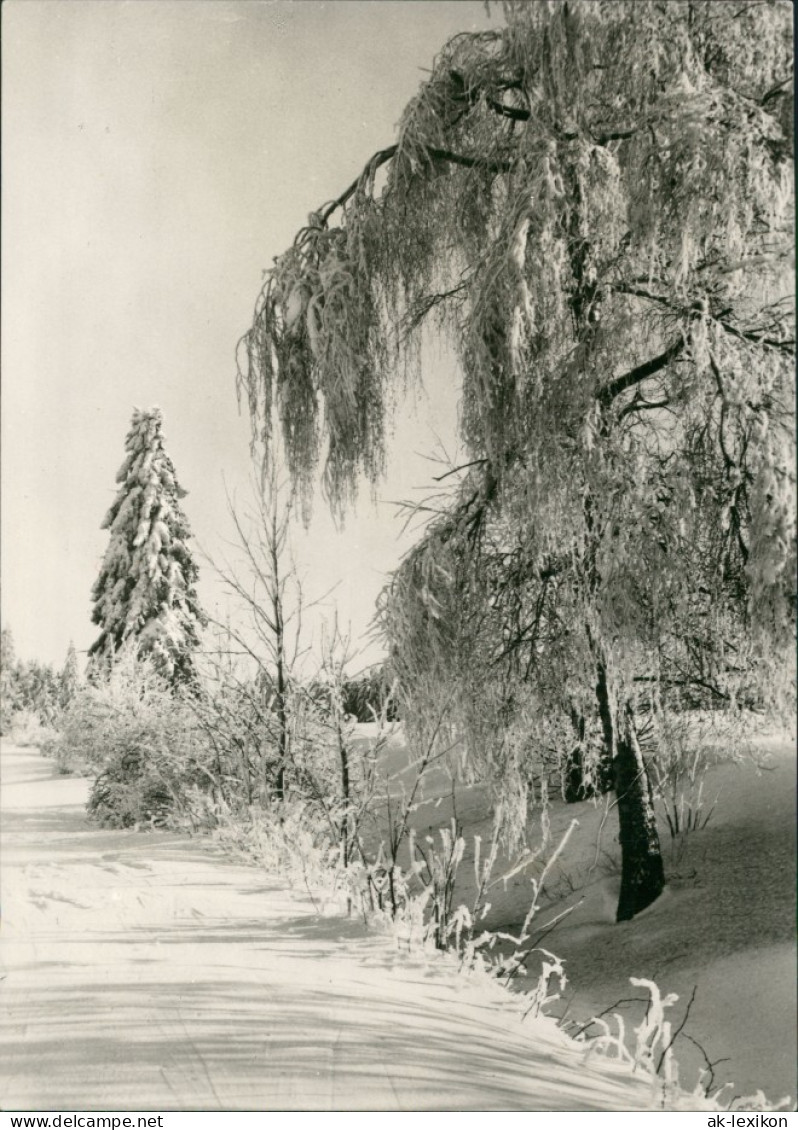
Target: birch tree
{"x":594,"y":201}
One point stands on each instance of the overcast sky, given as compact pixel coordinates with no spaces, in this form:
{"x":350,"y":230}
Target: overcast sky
{"x":157,"y":155}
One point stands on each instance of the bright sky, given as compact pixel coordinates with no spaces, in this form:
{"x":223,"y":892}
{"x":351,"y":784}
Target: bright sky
{"x":156,"y":156}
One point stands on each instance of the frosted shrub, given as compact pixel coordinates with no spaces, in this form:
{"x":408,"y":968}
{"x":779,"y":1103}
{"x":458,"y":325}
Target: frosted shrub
{"x":687,"y":745}
{"x":27,"y":729}
{"x":138,"y":736}
{"x":437,"y":866}
{"x":150,"y":777}
{"x":290,"y":839}
{"x":131,"y":791}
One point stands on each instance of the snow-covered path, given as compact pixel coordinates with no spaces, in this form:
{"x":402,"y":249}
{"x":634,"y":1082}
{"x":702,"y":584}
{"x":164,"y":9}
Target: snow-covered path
{"x":143,"y":971}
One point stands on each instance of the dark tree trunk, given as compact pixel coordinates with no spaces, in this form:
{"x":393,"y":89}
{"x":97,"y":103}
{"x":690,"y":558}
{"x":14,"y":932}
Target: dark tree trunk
{"x":578,"y":784}
{"x":642,"y":872}
{"x":574,"y":786}
{"x":574,"y":770}
{"x":279,"y":788}
{"x":275,"y":540}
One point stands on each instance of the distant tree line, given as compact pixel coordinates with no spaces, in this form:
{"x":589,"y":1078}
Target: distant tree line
{"x":34,"y":687}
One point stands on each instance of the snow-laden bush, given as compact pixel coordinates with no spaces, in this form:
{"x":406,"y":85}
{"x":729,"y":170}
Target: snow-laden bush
{"x":26,"y":728}
{"x":290,"y":839}
{"x":293,"y":839}
{"x":137,"y":735}
{"x":131,"y":790}
{"x":686,"y":745}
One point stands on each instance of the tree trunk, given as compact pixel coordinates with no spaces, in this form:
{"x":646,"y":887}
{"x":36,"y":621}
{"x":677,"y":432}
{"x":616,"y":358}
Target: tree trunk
{"x":642,"y":872}
{"x":577,"y":783}
{"x":343,"y":754}
{"x":574,"y":769}
{"x":282,"y":719}
{"x":279,"y":788}
{"x":278,"y":629}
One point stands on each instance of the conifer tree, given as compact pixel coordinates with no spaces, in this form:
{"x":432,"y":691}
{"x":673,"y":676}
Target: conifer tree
{"x":69,"y":679}
{"x":146,"y":589}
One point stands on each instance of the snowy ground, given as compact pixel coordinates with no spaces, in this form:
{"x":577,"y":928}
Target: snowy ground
{"x":146,"y":970}
{"x":725,"y":926}
{"x":143,"y":970}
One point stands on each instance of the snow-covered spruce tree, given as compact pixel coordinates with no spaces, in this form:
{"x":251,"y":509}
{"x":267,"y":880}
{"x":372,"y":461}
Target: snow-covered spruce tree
{"x":69,"y":678}
{"x":36,"y":689}
{"x":595,"y":200}
{"x":146,"y":588}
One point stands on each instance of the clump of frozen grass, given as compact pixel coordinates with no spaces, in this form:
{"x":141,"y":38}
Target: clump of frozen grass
{"x":653,"y":1036}
{"x":289,"y":839}
{"x":430,"y":916}
{"x":650,"y":1053}
{"x":679,"y":773}
{"x":760,"y":1101}
{"x":687,"y":744}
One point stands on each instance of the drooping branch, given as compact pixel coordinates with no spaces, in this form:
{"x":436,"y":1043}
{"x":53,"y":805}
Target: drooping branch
{"x":429,"y":302}
{"x":754,"y":336}
{"x":470,"y":95}
{"x":640,"y":373}
{"x":514,"y":113}
{"x":640,"y":404}
{"x":375,"y":162}
{"x":517,"y":114}
{"x":465,"y":92}
{"x":455,"y":470}
{"x":775,"y":90}
{"x":384,"y":155}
